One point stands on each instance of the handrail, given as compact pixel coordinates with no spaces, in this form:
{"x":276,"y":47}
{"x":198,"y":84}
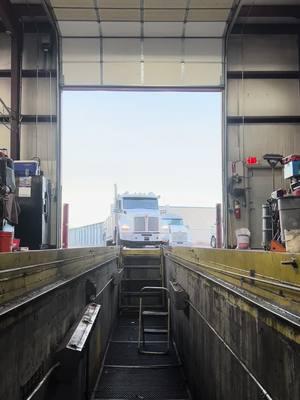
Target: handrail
{"x":149,"y":288}
{"x":226,"y":345}
{"x":43,"y":380}
{"x":256,"y":273}
{"x":243,"y":276}
{"x":47,"y":289}
{"x":105,"y":286}
{"x":59,"y":261}
{"x":279,"y":312}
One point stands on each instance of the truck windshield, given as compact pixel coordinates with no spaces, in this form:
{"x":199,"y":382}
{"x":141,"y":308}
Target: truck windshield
{"x":173,"y":221}
{"x":139,"y":202}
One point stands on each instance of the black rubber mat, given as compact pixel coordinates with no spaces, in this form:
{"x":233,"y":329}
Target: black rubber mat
{"x":128,"y":375}
{"x":147,"y":384}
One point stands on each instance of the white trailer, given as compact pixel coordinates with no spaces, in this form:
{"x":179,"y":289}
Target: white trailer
{"x":174,"y":232}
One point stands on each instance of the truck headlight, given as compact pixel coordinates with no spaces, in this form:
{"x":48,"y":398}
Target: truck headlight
{"x":125,"y":227}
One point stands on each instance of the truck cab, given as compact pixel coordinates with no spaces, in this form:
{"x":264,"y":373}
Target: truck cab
{"x":173,"y":231}
{"x":134,"y":221}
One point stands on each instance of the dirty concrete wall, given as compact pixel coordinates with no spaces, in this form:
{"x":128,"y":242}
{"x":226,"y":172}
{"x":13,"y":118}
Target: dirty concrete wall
{"x":30,"y":335}
{"x":212,"y":371}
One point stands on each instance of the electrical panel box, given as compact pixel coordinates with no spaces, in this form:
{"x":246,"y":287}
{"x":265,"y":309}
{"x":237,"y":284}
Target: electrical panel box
{"x":34,"y":197}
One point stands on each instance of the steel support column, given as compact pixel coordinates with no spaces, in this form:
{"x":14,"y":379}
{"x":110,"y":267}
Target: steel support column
{"x":13,"y":28}
{"x":16,"y":82}
{"x":231,"y":23}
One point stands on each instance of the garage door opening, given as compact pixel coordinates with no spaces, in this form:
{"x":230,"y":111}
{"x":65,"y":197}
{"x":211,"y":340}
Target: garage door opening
{"x":168,"y":143}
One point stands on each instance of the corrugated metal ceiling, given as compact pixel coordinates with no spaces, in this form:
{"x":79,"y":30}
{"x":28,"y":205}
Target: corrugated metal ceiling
{"x":142,"y":18}
{"x":141,"y":43}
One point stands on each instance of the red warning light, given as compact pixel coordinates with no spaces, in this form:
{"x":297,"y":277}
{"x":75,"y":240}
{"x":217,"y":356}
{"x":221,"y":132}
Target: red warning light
{"x":251,"y":160}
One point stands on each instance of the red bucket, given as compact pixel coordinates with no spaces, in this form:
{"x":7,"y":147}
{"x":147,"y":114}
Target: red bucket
{"x":6,"y":241}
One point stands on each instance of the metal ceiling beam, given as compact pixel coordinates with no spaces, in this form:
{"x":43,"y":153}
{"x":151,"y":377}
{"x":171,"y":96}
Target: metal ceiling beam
{"x":266,"y":29}
{"x":33,"y":119}
{"x":284,"y":11}
{"x":263,"y":74}
{"x":31,"y":73}
{"x":29,"y":27}
{"x":270,"y":119}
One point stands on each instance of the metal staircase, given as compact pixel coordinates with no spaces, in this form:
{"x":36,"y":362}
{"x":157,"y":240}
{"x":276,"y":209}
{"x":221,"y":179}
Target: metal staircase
{"x":140,"y":270}
{"x":142,"y":360}
{"x":142,"y":345}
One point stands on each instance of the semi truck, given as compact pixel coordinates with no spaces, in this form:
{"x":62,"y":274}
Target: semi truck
{"x":173,"y":231}
{"x":134,"y":221}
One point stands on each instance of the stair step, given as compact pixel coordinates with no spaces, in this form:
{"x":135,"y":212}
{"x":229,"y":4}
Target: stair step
{"x":136,"y":307}
{"x":155,"y":331}
{"x":135,"y":285}
{"x":140,"y":280}
{"x":142,"y":273}
{"x":141,"y":266}
{"x":154,"y":313}
{"x":141,"y":294}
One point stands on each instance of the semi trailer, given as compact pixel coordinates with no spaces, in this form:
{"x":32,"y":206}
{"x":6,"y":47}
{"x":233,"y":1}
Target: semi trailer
{"x":174,"y":232}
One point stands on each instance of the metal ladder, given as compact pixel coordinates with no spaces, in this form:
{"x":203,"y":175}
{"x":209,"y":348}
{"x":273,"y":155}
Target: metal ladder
{"x":146,"y":313}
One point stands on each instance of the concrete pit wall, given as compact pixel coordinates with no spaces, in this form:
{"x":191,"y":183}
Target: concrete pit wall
{"x":31,"y":334}
{"x":272,"y":355}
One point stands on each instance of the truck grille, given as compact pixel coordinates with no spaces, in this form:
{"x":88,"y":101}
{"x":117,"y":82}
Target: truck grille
{"x":179,"y":237}
{"x":153,"y":224}
{"x":139,"y":224}
{"x":146,"y":224}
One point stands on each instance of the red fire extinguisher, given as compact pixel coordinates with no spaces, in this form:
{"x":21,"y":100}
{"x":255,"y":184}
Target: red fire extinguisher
{"x":237,"y":209}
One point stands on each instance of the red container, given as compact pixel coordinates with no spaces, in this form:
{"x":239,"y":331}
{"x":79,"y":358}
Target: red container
{"x":16,"y":244}
{"x":6,"y":241}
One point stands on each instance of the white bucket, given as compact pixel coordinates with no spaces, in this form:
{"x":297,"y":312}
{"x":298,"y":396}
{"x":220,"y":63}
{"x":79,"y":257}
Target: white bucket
{"x":243,"y":238}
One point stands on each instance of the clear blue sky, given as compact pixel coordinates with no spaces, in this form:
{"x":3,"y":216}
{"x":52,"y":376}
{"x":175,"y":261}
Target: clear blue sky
{"x":163,"y":142}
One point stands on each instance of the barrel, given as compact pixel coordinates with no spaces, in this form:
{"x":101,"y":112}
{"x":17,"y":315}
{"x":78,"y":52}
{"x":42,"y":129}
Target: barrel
{"x":6,"y":241}
{"x":243,"y":238}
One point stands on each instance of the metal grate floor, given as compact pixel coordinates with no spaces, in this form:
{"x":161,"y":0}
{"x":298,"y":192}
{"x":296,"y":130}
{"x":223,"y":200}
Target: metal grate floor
{"x":131,"y":319}
{"x":127,"y":354}
{"x":148,"y":384}
{"x":128,"y":375}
